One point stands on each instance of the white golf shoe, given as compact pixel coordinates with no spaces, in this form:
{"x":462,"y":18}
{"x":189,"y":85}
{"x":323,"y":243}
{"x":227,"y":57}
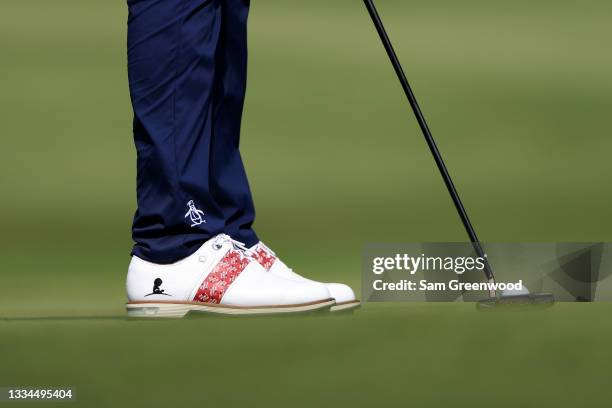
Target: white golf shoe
{"x":342,"y":294}
{"x":220,"y":278}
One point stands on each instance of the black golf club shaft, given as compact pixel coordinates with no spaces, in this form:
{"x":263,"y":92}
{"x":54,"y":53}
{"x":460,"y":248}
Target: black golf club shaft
{"x":428,"y":137}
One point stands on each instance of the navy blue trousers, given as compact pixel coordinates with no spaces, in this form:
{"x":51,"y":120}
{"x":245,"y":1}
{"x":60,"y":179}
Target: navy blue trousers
{"x":187,"y":65}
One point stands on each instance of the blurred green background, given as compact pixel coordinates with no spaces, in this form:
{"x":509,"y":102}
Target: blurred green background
{"x":518,"y":97}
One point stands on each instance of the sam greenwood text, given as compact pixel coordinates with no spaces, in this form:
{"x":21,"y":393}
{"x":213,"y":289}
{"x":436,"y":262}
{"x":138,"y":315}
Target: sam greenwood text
{"x":424,"y":285}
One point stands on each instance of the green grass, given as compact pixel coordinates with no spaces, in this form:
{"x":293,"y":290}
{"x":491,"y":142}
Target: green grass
{"x":518,"y":97}
{"x":425,"y":355}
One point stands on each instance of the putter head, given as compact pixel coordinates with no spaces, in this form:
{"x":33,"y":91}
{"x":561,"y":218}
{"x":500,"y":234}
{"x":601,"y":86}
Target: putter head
{"x":529,"y":299}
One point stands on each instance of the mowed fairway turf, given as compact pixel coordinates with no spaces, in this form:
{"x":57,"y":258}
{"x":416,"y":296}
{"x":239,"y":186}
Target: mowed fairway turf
{"x":518,"y":95}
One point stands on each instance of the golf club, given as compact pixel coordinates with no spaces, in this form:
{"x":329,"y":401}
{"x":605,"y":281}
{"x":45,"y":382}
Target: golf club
{"x":541,"y":298}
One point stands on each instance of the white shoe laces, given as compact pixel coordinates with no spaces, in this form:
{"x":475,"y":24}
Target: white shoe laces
{"x":222,"y":239}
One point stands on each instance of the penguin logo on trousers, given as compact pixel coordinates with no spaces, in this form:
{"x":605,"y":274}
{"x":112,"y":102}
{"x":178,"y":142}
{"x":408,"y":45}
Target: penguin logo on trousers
{"x":196,"y":216}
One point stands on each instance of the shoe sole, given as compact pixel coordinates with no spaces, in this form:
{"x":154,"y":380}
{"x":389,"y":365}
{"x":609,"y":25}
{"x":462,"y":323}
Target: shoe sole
{"x":178,"y":310}
{"x":344,"y":306}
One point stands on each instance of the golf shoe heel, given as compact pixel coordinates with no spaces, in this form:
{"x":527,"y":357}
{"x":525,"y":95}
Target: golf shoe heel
{"x":156,"y":310}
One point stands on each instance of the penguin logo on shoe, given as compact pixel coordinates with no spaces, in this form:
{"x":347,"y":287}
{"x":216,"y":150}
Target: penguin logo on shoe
{"x":196,"y":216}
{"x":156,"y":290}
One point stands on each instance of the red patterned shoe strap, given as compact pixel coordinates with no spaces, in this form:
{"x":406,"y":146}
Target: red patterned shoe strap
{"x":264,"y":256}
{"x":221,"y":277}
